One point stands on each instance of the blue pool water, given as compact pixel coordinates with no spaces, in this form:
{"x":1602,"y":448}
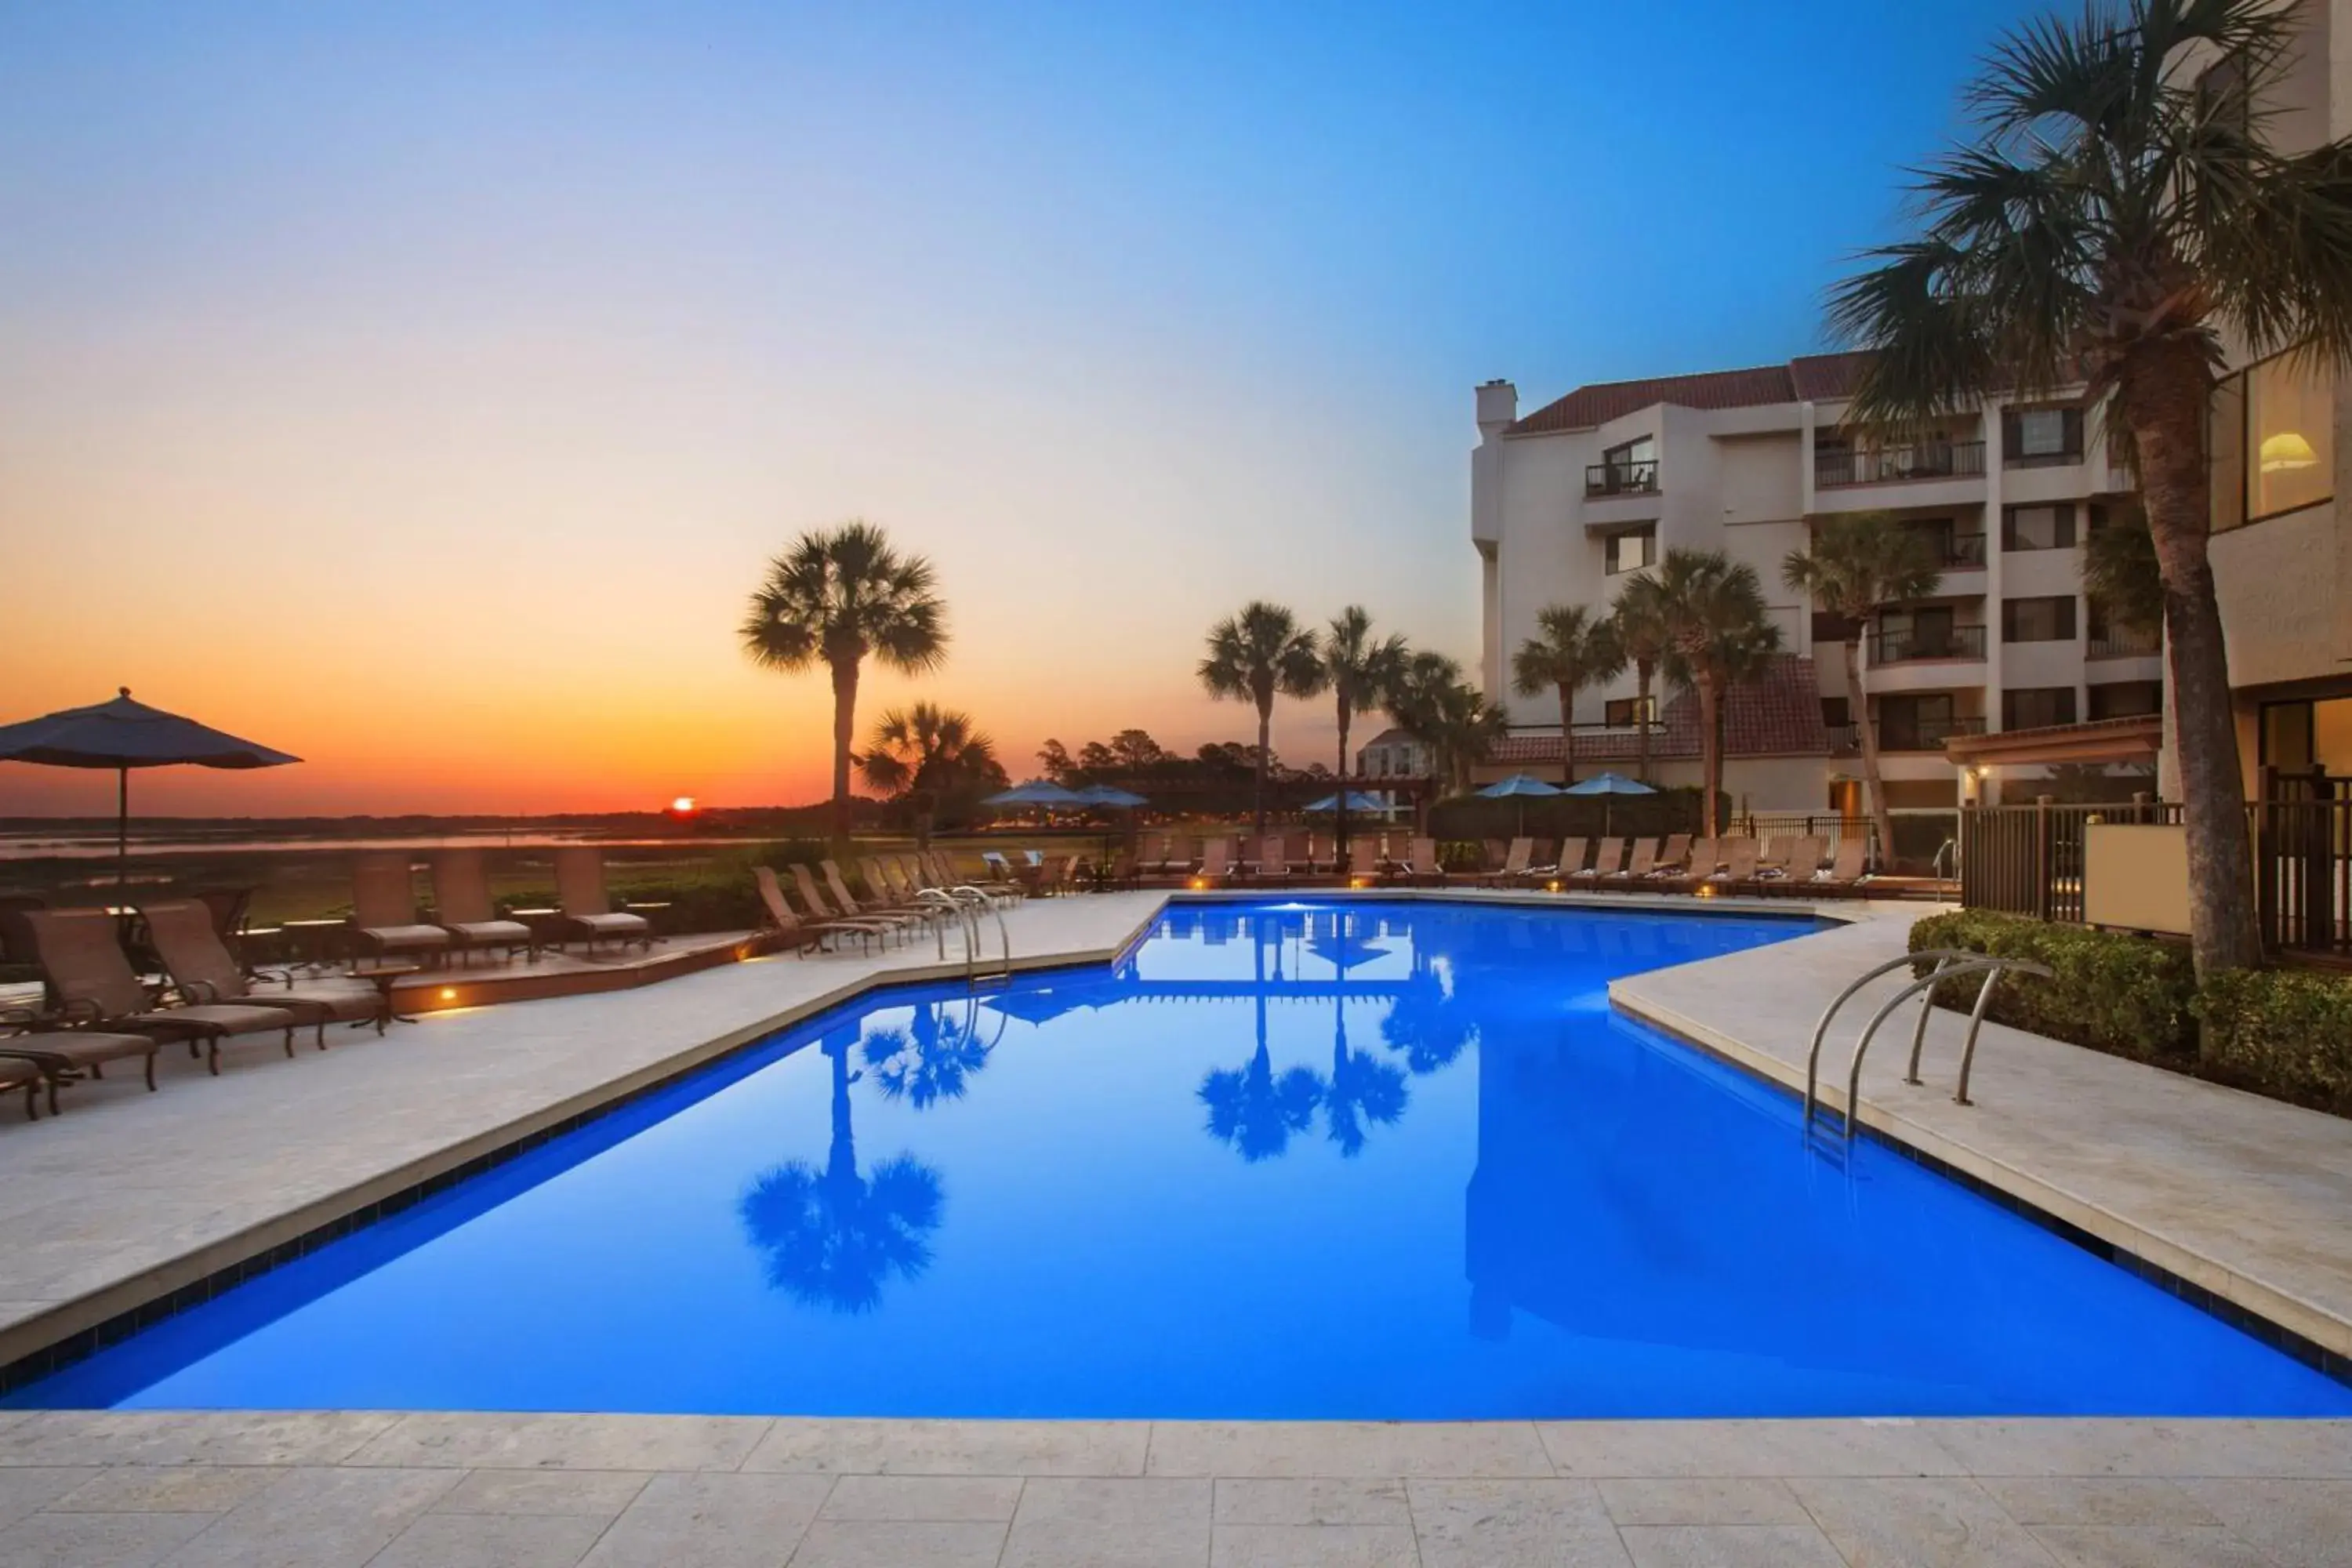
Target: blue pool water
{"x":1380,"y":1161}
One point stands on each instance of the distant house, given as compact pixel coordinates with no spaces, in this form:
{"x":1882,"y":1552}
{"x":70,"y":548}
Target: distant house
{"x":1393,"y":754}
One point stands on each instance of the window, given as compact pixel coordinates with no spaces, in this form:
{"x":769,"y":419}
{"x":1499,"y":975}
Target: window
{"x":2037,"y":706}
{"x":1915,"y":723}
{"x":1835,"y":713}
{"x":1628,"y":468}
{"x":2126,"y":699}
{"x":2041,"y":435}
{"x":1625,"y":712}
{"x":2222,"y":90}
{"x":1633,"y":549}
{"x":1956,"y":541}
{"x":2272,"y":440}
{"x":2037,"y":620}
{"x":2038,"y":528}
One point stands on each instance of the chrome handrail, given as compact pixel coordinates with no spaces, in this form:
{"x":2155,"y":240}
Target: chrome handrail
{"x":1994,"y":969}
{"x":1940,"y":955}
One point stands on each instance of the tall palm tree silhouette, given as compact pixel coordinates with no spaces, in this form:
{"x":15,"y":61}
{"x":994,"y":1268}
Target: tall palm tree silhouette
{"x":834,"y":1237}
{"x":1253,"y":1108}
{"x":928,"y":1061}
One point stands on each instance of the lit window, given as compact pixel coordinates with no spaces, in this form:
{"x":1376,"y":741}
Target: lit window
{"x":2289,"y":436}
{"x":1625,"y":712}
{"x":1632,"y":551}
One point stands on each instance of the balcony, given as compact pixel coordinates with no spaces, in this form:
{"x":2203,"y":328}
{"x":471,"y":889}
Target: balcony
{"x":1837,"y":465}
{"x":1626,"y":477}
{"x":1907,"y":733}
{"x":1959,"y":552}
{"x":2115,"y":642}
{"x":1920,"y":643}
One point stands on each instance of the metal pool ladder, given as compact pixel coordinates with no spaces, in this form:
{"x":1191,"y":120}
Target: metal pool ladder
{"x":965,"y":903}
{"x":1950,"y":963}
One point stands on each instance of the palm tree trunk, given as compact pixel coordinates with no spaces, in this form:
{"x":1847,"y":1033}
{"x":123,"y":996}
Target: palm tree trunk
{"x":845,"y":731}
{"x":2163,"y":391}
{"x":1264,"y":739}
{"x":1857,"y":705}
{"x":1339,"y":818}
{"x":1710,"y":753}
{"x":1643,"y":673}
{"x":1566,"y":735}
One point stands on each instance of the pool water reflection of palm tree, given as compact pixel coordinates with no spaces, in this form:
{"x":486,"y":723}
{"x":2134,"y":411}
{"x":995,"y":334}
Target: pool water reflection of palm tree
{"x":928,"y":1061}
{"x":834,"y":1237}
{"x":1362,"y":1088}
{"x":1429,"y":1022}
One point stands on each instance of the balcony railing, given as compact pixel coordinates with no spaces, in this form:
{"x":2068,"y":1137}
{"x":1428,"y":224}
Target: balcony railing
{"x":1961,"y":551}
{"x":1916,"y":643}
{"x":1834,"y":466}
{"x":1914,"y":735}
{"x":1624,"y":478}
{"x":2117,"y":643}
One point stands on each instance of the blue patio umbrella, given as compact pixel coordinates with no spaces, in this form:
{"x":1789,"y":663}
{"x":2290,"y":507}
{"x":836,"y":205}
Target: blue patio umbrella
{"x":1038,"y":791}
{"x":1520,"y":787}
{"x":1605,"y":784}
{"x":1357,"y":801}
{"x":123,"y":734}
{"x":1111,"y":797}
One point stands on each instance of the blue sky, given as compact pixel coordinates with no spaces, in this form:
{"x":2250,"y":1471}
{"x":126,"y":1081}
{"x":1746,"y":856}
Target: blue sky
{"x":1124,"y":312}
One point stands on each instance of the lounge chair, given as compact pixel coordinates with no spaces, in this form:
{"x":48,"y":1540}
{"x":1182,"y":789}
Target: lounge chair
{"x":1567,"y":863}
{"x":1672,"y":860}
{"x":1698,"y":864}
{"x":837,"y":886}
{"x":1421,"y":868}
{"x":56,"y":1057}
{"x":1274,"y":860}
{"x":805,"y":934}
{"x":1845,"y":875}
{"x":1363,"y":861}
{"x":588,"y":907}
{"x":1739,"y":865}
{"x":1216,"y":862}
{"x":944,"y":871}
{"x":462,"y":907}
{"x":1513,"y":867}
{"x":27,"y":1073}
{"x":383,"y":909}
{"x":1636,"y":870}
{"x":1605,"y":862}
{"x":96,"y":986}
{"x":813,"y":899}
{"x":1799,"y":862}
{"x":882,"y":897}
{"x":203,"y":970}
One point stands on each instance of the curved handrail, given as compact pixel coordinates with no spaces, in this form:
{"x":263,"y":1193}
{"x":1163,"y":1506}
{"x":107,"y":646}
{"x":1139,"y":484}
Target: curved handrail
{"x":1995,"y":967}
{"x":1975,"y":1020}
{"x":1940,"y":955}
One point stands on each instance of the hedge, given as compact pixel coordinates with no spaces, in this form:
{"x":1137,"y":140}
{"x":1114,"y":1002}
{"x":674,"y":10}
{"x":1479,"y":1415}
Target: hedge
{"x":2288,"y":1033}
{"x":2124,"y":995}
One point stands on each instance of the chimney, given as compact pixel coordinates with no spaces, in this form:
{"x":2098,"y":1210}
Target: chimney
{"x":1498,"y":404}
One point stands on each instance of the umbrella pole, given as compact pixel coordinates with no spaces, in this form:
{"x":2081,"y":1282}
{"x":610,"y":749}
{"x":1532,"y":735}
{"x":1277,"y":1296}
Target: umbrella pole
{"x":122,"y":827}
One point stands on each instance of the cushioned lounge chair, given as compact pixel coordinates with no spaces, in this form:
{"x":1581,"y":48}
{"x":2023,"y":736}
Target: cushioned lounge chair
{"x":1698,"y":864}
{"x":1798,"y":864}
{"x":203,"y":970}
{"x":1566,"y":864}
{"x":96,"y":987}
{"x":587,"y":908}
{"x":462,"y":907}
{"x":813,"y":899}
{"x":805,"y":934}
{"x":383,"y":909}
{"x":1845,"y":875}
{"x":1739,"y":869}
{"x":1605,"y":861}
{"x":1513,"y":867}
{"x":1636,"y":872}
{"x":1673,"y":861}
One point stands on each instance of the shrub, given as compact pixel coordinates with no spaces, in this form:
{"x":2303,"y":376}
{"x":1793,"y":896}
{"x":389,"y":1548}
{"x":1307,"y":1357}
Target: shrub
{"x":2128,"y":996}
{"x":2288,"y":1033}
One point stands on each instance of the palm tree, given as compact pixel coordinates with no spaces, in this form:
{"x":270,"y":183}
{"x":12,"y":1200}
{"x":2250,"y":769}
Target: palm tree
{"x":834,"y":598}
{"x":1718,"y":634}
{"x":1575,"y":649}
{"x":1431,"y":702}
{"x":1255,"y":656}
{"x":2122,"y":575}
{"x":1860,"y":564}
{"x":833,"y":1237}
{"x":2114,"y":218}
{"x":925,"y":754}
{"x":1358,"y":667}
{"x":1640,"y":618}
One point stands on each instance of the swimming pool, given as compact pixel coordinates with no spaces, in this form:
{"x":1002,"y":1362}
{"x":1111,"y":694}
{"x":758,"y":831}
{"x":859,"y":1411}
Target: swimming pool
{"x":1372,"y":1161}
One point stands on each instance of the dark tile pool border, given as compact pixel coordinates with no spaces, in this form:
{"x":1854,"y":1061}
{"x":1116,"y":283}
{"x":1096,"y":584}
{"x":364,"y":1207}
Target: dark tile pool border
{"x":2277,"y":1336}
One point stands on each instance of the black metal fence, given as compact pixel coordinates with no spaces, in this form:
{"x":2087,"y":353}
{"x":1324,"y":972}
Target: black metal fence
{"x":2028,"y":859}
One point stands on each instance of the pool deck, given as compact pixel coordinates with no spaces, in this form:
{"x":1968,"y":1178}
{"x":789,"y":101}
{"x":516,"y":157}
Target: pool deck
{"x":129,"y":1196}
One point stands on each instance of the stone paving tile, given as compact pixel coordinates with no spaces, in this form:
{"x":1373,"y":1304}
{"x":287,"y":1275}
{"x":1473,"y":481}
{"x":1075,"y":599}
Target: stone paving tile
{"x":96,"y":1539}
{"x":1733,"y":1546}
{"x":1118,"y":1500}
{"x":1640,"y":1449}
{"x":316,"y":1518}
{"x":189,"y":1437}
{"x":2096,"y":1500}
{"x":589,"y":1494}
{"x":967,"y":1499}
{"x":1099,"y":1543}
{"x":2298,"y":1523}
{"x":1346,"y":1449}
{"x":491,"y":1540}
{"x":163,"y":1488}
{"x":1314,"y":1546}
{"x":2155,"y":1447}
{"x":1512,"y":1524}
{"x":472,"y":1441}
{"x":1312,"y":1501}
{"x":899,"y":1544}
{"x":24,"y":1491}
{"x":1940,"y":1522}
{"x":2149,"y":1546}
{"x":712,"y":1521}
{"x":954,"y":1448}
{"x":1701,"y":1500}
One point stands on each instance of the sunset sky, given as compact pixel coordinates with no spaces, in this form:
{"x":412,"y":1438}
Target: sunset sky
{"x":420,"y":389}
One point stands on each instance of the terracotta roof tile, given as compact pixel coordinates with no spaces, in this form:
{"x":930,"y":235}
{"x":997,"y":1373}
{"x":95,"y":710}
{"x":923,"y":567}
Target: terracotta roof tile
{"x":1777,"y":714}
{"x":1820,"y":378}
{"x":1809,"y":377}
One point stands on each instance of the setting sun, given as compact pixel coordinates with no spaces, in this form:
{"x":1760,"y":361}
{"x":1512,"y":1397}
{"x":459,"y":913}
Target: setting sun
{"x":683,"y":805}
